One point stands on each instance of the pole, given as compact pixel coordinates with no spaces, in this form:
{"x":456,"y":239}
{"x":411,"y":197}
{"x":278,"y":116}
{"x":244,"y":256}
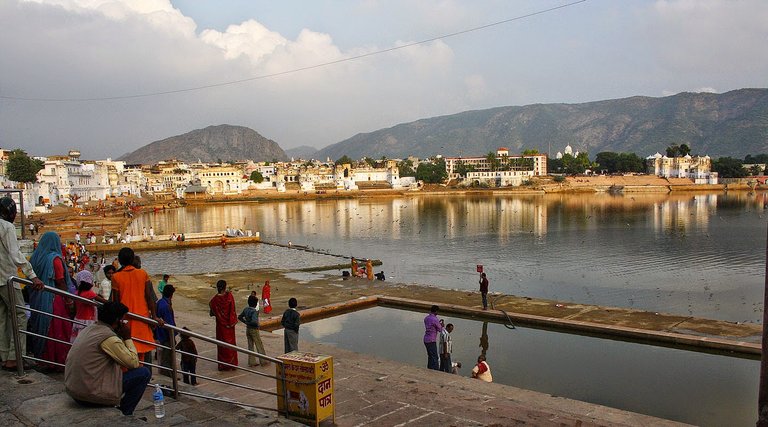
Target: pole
{"x":15,"y":326}
{"x":762,"y":398}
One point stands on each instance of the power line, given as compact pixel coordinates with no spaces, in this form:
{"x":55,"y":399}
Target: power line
{"x":295,"y":70}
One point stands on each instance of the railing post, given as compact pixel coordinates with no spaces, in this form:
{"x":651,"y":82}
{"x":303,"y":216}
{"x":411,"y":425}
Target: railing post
{"x":15,"y":326}
{"x":174,"y":364}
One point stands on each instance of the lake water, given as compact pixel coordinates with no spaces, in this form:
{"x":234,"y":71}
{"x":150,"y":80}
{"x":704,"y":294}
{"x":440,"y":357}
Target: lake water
{"x":685,"y":386}
{"x":688,"y":254}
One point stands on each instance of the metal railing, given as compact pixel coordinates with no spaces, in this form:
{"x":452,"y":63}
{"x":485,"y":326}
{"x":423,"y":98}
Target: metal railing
{"x":174,"y":371}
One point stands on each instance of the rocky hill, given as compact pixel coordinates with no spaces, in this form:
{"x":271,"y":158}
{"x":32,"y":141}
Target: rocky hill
{"x":729,"y":124}
{"x":212,"y":144}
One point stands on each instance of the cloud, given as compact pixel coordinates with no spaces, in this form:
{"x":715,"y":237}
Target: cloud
{"x":100,"y":48}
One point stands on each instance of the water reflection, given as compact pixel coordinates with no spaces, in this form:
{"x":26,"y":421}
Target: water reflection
{"x":695,"y":388}
{"x":691,"y":254}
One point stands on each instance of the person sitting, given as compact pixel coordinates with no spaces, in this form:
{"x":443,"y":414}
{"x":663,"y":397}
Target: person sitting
{"x":93,"y":373}
{"x":482,"y":370}
{"x":380,"y":276}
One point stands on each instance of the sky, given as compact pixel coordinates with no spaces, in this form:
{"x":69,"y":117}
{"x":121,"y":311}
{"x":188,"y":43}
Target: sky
{"x":109,"y":76}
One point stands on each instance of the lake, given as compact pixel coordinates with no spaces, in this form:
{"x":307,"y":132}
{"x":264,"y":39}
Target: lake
{"x":699,"y":254}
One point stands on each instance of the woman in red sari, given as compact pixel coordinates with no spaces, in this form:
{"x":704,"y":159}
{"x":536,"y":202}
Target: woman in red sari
{"x":223,"y":308}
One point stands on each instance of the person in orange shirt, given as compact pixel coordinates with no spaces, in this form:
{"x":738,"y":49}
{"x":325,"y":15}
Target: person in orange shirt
{"x":131,"y":286}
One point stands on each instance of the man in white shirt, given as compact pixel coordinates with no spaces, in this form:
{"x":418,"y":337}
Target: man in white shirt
{"x":11,"y":259}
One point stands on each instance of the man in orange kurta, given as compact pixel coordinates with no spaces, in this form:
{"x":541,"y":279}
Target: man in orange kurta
{"x":130,"y":286}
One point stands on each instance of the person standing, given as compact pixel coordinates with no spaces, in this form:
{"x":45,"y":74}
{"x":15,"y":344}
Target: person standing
{"x":291,"y":321}
{"x":369,"y":269}
{"x":103,"y":365}
{"x":446,"y":348}
{"x":482,"y":370}
{"x":188,"y":361}
{"x":131,"y":286}
{"x":105,"y":287}
{"x":48,"y":263}
{"x":484,"y":290}
{"x":11,"y":259}
{"x":161,"y":284}
{"x":250,"y":316}
{"x":85,"y":313}
{"x":223,"y":309}
{"x":432,"y":328}
{"x":164,"y":337}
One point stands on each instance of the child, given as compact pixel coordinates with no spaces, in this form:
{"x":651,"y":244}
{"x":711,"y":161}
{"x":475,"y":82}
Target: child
{"x":250,"y":316}
{"x":188,"y":362}
{"x":84,"y":312}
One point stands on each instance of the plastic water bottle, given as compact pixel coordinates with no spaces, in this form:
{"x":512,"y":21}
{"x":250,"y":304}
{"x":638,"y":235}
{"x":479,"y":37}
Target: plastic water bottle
{"x":157,"y":398}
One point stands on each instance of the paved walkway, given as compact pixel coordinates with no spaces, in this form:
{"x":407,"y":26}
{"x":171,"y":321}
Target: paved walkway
{"x":377,"y":392}
{"x":368,"y":392}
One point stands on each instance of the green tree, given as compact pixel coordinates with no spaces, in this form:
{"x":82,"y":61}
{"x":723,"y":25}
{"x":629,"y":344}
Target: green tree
{"x":555,"y":165}
{"x":760,"y":158}
{"x":21,"y":167}
{"x":678,"y":150}
{"x":728,"y":167}
{"x":406,"y":168}
{"x":433,"y":172}
{"x":371,"y":162}
{"x":607,"y":161}
{"x":462,"y":169}
{"x":755,"y":170}
{"x":257,"y":177}
{"x":576,"y":165}
{"x":530,"y":152}
{"x":344,"y":159}
{"x":493,"y":162}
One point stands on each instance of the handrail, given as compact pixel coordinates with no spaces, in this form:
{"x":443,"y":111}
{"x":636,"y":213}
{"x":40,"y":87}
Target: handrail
{"x":171,"y":329}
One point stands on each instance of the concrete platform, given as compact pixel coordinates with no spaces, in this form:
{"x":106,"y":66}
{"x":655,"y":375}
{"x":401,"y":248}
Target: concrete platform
{"x":368,"y":392}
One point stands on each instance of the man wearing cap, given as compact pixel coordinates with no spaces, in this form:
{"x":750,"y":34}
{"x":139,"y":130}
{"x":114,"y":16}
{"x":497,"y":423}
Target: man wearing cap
{"x":11,"y":259}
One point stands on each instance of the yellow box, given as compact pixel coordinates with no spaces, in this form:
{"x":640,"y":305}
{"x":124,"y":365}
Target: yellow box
{"x":309,"y":384}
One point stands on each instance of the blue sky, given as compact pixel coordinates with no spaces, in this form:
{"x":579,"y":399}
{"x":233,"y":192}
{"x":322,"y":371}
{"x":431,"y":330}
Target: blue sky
{"x":61,"y":58}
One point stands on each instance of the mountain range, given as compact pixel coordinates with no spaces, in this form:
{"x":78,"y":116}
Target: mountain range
{"x":731,"y":124}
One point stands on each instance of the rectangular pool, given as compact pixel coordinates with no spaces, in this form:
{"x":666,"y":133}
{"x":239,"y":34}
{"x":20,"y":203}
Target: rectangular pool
{"x":686,"y":386}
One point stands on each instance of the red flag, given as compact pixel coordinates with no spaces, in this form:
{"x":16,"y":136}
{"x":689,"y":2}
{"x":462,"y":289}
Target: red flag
{"x":266,"y":298}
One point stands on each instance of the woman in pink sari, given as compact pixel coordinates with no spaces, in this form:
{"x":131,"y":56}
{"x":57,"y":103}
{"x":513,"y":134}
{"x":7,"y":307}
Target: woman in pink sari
{"x":223,"y":308}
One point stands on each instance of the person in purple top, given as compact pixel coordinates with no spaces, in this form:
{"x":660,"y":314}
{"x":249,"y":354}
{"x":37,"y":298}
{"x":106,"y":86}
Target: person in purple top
{"x":432,"y":328}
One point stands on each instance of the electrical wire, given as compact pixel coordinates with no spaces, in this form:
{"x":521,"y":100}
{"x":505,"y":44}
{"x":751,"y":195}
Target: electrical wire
{"x":295,"y":70}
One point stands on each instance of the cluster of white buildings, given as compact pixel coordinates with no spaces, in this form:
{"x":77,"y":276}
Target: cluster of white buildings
{"x":69,"y":180}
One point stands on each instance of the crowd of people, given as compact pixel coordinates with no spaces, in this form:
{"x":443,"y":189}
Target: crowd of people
{"x":116,"y":346}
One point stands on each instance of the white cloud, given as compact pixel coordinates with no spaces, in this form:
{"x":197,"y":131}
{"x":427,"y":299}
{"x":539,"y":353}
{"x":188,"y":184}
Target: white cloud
{"x":249,"y":38}
{"x":101,"y":48}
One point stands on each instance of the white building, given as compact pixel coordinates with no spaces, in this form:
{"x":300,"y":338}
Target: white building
{"x":65,"y":179}
{"x":223,"y":180}
{"x":509,"y":170}
{"x":698,"y":169}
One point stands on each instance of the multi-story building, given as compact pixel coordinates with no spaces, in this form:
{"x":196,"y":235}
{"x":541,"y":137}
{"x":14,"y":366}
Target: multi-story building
{"x":696,"y":168}
{"x":222,"y":180}
{"x":502,"y":170}
{"x":65,"y":180}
